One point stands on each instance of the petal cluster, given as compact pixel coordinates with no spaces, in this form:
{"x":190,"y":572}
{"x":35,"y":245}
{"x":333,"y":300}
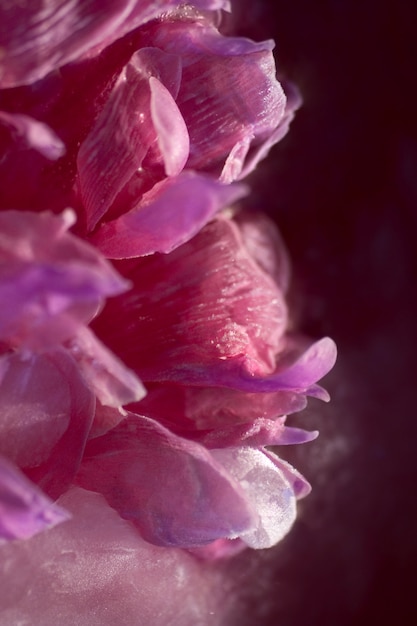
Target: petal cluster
{"x":145,"y":344}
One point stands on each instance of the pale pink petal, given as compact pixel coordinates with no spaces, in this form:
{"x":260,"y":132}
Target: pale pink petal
{"x":299,"y":484}
{"x":95,"y":570}
{"x":24,"y":510}
{"x":268,"y":490}
{"x":171,"y":488}
{"x":172,"y":134}
{"x":182,"y":205}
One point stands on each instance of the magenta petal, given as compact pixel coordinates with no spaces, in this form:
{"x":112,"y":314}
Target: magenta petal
{"x":34,"y":134}
{"x":113,"y":383}
{"x":226,"y":310}
{"x":268,"y":490}
{"x":171,"y":488}
{"x":167,"y":216}
{"x":24,"y":509}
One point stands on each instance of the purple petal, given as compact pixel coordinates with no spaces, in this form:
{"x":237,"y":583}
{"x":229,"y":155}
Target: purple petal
{"x":171,"y":488}
{"x":167,"y":216}
{"x":24,"y":509}
{"x":268,"y":490}
{"x":259,"y":152}
{"x":113,"y":383}
{"x":35,"y":134}
{"x":49,"y":290}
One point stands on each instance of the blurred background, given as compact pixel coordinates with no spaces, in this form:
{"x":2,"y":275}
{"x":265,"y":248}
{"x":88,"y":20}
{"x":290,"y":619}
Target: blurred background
{"x":342,"y":187}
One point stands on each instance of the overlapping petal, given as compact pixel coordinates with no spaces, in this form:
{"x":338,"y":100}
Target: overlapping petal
{"x":216,"y":70}
{"x":48,"y":291}
{"x":218,"y":318}
{"x":38,"y":37}
{"x":171,"y":488}
{"x":129,"y":125}
{"x":183,"y":205}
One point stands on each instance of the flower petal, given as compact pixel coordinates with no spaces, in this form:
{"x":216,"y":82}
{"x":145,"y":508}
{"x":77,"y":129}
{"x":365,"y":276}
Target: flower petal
{"x":38,"y":37}
{"x":267,"y":488}
{"x":204,"y":307}
{"x":124,"y":132}
{"x":113,"y":383}
{"x":171,"y":131}
{"x":24,"y":509}
{"x":166,"y":217}
{"x":229,"y":96}
{"x":171,"y":488}
{"x":34,"y":134}
{"x":48,"y":291}
{"x":96,"y":570}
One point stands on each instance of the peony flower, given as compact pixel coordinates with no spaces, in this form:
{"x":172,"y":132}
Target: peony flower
{"x":143,"y":118}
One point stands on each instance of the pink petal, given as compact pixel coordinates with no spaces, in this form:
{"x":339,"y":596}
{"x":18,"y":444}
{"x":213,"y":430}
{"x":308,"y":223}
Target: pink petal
{"x":203,"y":307}
{"x":268,"y":490}
{"x":38,"y":37}
{"x":124,"y":132}
{"x":166,"y":217}
{"x":171,"y":488}
{"x":205,"y":408}
{"x":229,"y":96}
{"x":24,"y":509}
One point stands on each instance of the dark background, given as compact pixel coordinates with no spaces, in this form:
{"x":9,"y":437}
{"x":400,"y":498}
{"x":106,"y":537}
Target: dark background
{"x":343,"y":189}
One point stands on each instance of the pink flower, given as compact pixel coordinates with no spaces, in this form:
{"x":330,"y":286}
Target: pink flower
{"x":144,"y":118}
